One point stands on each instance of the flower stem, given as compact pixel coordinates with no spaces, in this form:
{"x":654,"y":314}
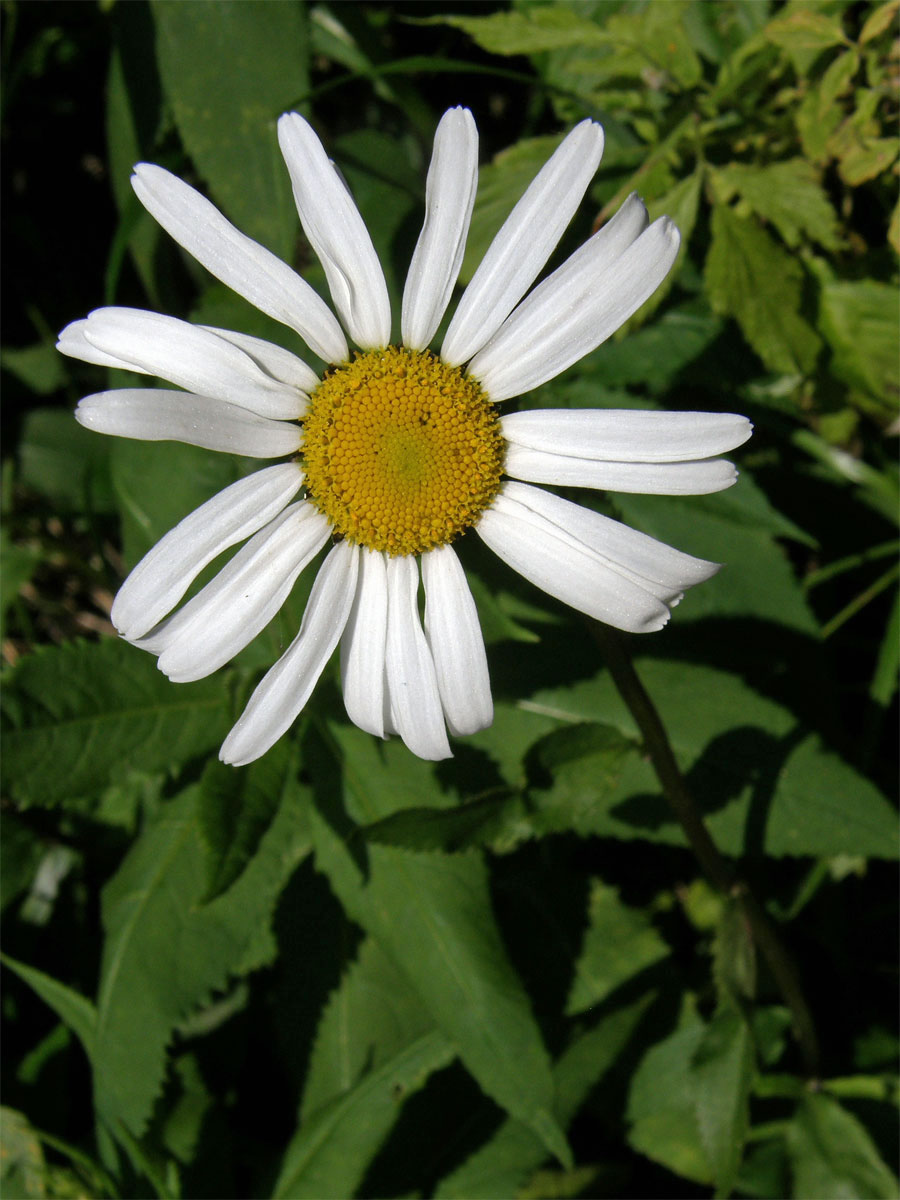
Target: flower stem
{"x":719,"y":872}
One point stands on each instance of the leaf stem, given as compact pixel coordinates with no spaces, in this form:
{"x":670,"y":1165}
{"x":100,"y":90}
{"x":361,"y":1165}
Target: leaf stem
{"x":719,"y":872}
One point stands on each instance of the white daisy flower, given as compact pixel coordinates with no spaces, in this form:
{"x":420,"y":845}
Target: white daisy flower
{"x":396,"y":451}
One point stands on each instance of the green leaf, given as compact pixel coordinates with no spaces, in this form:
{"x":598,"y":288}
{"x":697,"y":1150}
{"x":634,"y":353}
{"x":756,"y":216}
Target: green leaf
{"x":235,"y":808}
{"x":619,"y":942}
{"x":79,"y":713}
{"x":662,"y":1105}
{"x":19,"y":564}
{"x":879,"y":21}
{"x":254,"y":60}
{"x":22,"y":1168}
{"x":529,"y":31}
{"x":786,"y":193}
{"x":804,"y":29}
{"x":501,"y":1166}
{"x":165,"y":951}
{"x":64,"y":462}
{"x":752,"y":279}
{"x":767,"y":784}
{"x":329,"y":1154}
{"x":476,"y":822}
{"x":651,"y":357}
{"x":832,"y":1155}
{"x":40,"y":367}
{"x":433,"y":916}
{"x":722,"y":1069}
{"x":73,"y":1009}
{"x":859,"y":319}
{"x":157,"y":484}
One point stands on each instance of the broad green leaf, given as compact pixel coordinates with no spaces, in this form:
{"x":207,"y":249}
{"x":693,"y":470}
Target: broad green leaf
{"x":40,"y":367}
{"x":329,"y":1155}
{"x":752,"y":279}
{"x":370,"y":1017}
{"x":619,"y":942}
{"x":433,"y":916}
{"x":73,"y":1009}
{"x":805,"y":29}
{"x":529,"y":31}
{"x":475,"y":822}
{"x":859,"y":319}
{"x":722,"y":1070}
{"x":651,"y":357}
{"x":662,"y":1105}
{"x":832,"y":1154}
{"x":235,"y":808}
{"x":166,"y":952}
{"x":157,"y":484}
{"x":253,"y":59}
{"x":78,"y":714}
{"x":766,"y":783}
{"x":788,"y":194}
{"x":64,"y":462}
{"x":502,"y":1164}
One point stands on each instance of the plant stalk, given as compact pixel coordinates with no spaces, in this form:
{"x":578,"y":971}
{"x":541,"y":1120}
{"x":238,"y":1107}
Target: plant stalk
{"x":719,"y":872}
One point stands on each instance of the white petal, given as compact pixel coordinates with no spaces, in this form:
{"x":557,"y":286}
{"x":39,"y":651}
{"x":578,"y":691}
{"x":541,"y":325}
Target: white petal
{"x":449,"y":199}
{"x":191,"y":357}
{"x":454,"y":637}
{"x":524,"y":243}
{"x":72,"y":341}
{"x":412,"y":687}
{"x":626,"y":435}
{"x":661,"y":479}
{"x":163,"y":575}
{"x":555,"y":562}
{"x":654,"y":564}
{"x":574,"y":310}
{"x":242,"y":599}
{"x":338,"y":234}
{"x":281,"y":364}
{"x":155,"y":415}
{"x":284,"y":690}
{"x":245,"y":266}
{"x":363,"y":646}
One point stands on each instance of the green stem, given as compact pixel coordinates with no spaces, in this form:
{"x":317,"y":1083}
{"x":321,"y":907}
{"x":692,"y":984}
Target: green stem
{"x":717,"y":869}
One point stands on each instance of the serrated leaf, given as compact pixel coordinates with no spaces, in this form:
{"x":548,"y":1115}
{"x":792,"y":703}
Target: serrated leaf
{"x":433,"y":916}
{"x":729,"y":740}
{"x":751,"y":278}
{"x":329,"y":1154}
{"x":165,"y":951}
{"x":473,"y":823}
{"x":619,"y":942}
{"x":722,"y":1072}
{"x":235,"y":808}
{"x":529,"y":31}
{"x":501,"y":1165}
{"x":77,"y":713}
{"x":261,"y":51}
{"x":788,"y":194}
{"x":833,"y":1155}
{"x":73,"y":1009}
{"x":859,"y":319}
{"x":804,"y":29}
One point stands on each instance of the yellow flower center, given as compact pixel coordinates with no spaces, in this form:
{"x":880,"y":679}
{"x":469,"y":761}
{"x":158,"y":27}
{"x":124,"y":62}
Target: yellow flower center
{"x":401,"y":452}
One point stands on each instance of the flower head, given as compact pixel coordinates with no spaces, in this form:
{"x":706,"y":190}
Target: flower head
{"x":398,"y":450}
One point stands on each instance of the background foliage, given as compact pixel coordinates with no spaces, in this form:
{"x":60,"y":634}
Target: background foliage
{"x":342,"y":971}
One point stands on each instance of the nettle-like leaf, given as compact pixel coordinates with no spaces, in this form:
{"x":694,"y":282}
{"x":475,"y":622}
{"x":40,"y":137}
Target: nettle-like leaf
{"x":502,"y":1165}
{"x":723,"y":1070}
{"x":788,"y":194}
{"x":750,"y":277}
{"x":432,"y":914}
{"x":375,"y":1045}
{"x":166,"y":951}
{"x":76,"y":713}
{"x":254,"y":59}
{"x":859,"y":320}
{"x":832,"y":1154}
{"x":767,"y":784}
{"x":619,"y":942}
